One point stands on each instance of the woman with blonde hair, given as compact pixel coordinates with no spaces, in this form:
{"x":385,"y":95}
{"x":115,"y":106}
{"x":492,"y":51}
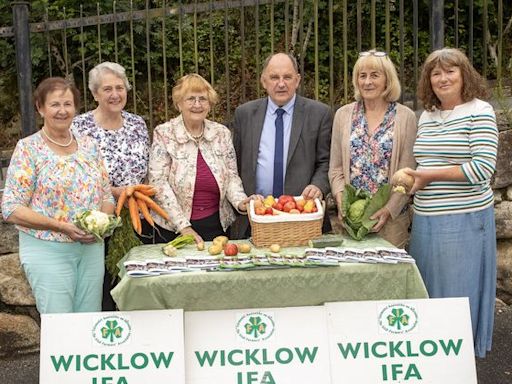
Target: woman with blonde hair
{"x":371,"y":139}
{"x":193,"y":166}
{"x":453,"y":237}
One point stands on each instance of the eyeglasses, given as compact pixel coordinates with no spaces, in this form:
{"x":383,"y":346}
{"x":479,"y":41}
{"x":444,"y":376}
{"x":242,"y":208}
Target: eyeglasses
{"x":372,"y":53}
{"x":200,"y":99}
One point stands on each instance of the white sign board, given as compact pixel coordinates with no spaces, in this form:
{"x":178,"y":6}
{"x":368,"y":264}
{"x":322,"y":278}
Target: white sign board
{"x":263,"y":346}
{"x":402,"y":341}
{"x":113,"y":348}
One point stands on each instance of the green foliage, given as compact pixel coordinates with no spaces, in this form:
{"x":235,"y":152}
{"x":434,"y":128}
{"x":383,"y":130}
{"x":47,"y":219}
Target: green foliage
{"x":60,"y":53}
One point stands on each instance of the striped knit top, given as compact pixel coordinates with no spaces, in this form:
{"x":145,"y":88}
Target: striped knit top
{"x":468,"y":137}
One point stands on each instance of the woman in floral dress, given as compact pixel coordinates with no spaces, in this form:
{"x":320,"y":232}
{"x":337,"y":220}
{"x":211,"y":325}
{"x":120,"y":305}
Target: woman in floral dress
{"x":54,"y":176}
{"x":371,"y":139}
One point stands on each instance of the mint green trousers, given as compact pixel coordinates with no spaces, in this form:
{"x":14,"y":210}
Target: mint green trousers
{"x":65,"y":277}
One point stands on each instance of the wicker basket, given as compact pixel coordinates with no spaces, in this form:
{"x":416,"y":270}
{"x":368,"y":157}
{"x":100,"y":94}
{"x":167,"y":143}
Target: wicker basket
{"x":286,"y":229}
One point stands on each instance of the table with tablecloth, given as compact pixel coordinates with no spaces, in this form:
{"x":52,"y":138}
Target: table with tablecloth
{"x":286,"y":287}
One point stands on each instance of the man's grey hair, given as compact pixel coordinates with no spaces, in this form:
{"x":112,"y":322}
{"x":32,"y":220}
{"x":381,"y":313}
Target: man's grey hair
{"x":290,"y":56}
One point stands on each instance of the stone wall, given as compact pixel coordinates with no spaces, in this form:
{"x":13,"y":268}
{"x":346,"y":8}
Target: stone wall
{"x":502,"y":186}
{"x":19,"y":320}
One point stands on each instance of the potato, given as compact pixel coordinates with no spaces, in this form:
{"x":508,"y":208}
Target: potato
{"x":221,"y":240}
{"x":244,"y":248}
{"x":215,"y":249}
{"x":275,"y":248}
{"x":401,"y":181}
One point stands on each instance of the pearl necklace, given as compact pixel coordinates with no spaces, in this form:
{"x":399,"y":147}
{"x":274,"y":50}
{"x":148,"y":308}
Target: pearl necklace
{"x":196,"y":137}
{"x":57,"y":143}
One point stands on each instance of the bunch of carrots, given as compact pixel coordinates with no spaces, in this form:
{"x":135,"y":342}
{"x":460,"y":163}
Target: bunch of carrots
{"x":139,"y":200}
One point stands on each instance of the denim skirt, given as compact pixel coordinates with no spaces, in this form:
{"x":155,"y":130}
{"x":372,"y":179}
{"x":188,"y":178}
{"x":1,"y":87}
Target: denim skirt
{"x":456,"y":255}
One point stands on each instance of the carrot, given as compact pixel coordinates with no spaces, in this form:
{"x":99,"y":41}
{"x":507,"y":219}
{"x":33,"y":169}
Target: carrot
{"x":134,"y":214}
{"x":146,"y":189}
{"x":129,"y":190}
{"x":149,"y":192}
{"x":145,"y":212}
{"x":142,"y":187}
{"x":152,"y":205}
{"x":120,"y":202}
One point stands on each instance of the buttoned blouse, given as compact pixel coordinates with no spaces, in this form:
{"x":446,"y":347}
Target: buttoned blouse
{"x":173,"y":166}
{"x":125,"y":151}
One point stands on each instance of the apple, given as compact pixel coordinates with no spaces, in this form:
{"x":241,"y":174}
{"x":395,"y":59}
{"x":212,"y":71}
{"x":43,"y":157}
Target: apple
{"x":294,"y":210}
{"x":260,"y":210}
{"x":300,"y":204}
{"x":278,"y":206}
{"x":283,"y":199}
{"x":308,"y":206}
{"x":258,"y":203}
{"x":288,"y":206}
{"x":230,"y":249}
{"x":269,"y":201}
{"x":269,"y":211}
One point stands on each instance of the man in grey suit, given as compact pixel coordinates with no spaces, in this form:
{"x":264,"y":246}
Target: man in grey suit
{"x":282,"y":141}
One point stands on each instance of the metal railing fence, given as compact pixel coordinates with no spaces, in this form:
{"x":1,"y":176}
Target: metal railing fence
{"x":227,"y":41}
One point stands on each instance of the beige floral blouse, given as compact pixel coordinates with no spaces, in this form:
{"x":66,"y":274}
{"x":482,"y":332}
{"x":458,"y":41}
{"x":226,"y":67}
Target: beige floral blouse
{"x":172,"y":170}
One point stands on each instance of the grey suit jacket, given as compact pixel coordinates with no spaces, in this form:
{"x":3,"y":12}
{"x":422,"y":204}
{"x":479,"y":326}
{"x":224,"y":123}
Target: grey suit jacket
{"x":308,"y":152}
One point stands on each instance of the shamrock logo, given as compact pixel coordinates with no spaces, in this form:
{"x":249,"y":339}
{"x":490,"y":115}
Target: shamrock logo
{"x":398,"y":318}
{"x":255,"y":326}
{"x":111,"y":330}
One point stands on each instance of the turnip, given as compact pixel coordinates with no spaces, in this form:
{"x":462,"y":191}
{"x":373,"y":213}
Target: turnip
{"x":402,"y":182}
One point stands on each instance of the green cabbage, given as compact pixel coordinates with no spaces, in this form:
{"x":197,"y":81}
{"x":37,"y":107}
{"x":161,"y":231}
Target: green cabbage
{"x":356,"y":210}
{"x":358,"y":206}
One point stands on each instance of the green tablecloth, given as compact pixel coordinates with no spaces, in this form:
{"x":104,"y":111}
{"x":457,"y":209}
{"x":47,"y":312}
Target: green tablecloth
{"x":194,"y":291}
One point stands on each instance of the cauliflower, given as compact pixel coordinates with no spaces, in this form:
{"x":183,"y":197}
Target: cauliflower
{"x":97,"y":223}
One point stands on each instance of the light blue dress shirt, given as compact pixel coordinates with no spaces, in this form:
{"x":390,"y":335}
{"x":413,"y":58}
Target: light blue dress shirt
{"x":265,"y":162}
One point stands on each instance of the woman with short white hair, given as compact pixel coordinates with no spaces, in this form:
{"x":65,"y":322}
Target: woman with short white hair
{"x":122,"y":137}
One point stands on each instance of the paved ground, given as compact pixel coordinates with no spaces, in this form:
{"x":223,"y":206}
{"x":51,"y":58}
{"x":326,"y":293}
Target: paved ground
{"x":496,"y":368}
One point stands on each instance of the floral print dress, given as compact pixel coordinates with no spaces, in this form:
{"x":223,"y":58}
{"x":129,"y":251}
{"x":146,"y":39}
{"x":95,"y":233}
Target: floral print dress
{"x":57,"y":186}
{"x":125,"y":150}
{"x":371,"y":154}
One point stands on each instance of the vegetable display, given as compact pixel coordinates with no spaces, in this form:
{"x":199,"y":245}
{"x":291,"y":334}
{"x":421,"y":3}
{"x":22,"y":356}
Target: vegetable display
{"x":97,"y":223}
{"x":358,"y":206}
{"x":140,"y":202}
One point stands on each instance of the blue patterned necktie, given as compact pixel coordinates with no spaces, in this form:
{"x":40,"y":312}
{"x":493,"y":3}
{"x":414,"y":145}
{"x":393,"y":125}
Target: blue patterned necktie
{"x":278,"y":155}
